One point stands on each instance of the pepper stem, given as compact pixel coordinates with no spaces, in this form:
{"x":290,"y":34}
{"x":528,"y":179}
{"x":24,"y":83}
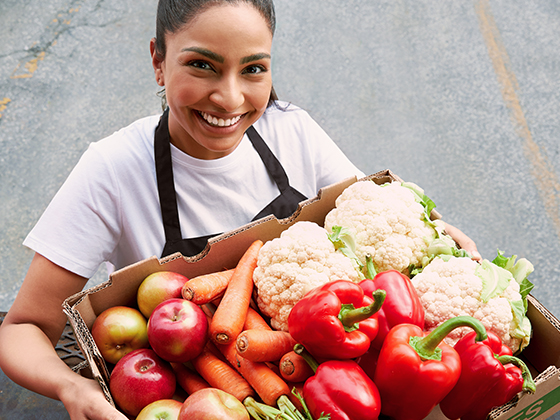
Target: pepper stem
{"x":528,"y":383}
{"x":302,"y":351}
{"x":427,"y":347}
{"x":350,"y":316}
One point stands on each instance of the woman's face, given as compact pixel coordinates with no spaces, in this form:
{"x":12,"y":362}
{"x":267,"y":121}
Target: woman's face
{"x":217,"y":78}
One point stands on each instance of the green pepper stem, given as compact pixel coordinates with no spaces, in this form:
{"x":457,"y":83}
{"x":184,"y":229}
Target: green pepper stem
{"x":528,"y":383}
{"x":302,"y":351}
{"x":349,"y":315}
{"x":427,"y":346}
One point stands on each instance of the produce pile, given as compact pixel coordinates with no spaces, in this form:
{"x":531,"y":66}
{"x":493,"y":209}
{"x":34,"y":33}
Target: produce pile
{"x":376,"y":313}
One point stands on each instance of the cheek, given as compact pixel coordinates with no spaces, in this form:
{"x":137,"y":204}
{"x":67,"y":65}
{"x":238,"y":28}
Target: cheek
{"x":185,"y":92}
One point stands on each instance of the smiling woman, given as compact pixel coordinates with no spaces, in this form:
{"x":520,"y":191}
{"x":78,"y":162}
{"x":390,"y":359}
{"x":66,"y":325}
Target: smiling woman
{"x":224,"y":152}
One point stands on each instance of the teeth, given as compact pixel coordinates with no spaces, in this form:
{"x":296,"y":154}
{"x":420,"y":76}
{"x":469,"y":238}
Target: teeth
{"x":219,"y":122}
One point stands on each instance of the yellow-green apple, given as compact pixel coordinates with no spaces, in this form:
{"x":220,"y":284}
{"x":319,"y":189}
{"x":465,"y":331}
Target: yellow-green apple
{"x":212,"y":404}
{"x":158,"y":287}
{"x":140,"y":378}
{"x":177,"y":330}
{"x":119,"y":330}
{"x":166,"y":409}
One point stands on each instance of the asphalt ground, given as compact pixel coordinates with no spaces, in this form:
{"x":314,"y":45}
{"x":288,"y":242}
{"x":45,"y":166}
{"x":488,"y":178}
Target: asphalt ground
{"x":459,"y":97}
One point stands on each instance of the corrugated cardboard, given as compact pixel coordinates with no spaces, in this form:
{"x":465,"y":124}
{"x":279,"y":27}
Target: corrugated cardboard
{"x":542,"y":355}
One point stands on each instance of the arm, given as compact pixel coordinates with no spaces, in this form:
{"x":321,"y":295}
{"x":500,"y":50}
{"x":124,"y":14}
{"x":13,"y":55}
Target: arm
{"x":30,"y":332}
{"x":463,"y":241}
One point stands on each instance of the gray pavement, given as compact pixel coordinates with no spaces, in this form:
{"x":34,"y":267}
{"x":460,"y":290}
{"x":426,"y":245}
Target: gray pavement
{"x":461,"y":97}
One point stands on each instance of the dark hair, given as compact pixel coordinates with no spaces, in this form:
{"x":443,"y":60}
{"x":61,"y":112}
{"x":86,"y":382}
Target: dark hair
{"x":172,"y":15}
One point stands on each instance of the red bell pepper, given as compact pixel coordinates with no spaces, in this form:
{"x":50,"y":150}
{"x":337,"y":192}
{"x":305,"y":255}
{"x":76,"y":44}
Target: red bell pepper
{"x":336,"y":320}
{"x":339,"y":388}
{"x":490,"y":377}
{"x":402,"y":304}
{"x":416,"y":371}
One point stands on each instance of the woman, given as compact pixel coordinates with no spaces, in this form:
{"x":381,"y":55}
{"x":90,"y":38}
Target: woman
{"x":222,"y":154}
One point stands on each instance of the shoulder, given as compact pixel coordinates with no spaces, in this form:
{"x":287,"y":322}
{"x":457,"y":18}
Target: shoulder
{"x":283,"y":120}
{"x":133,"y":143}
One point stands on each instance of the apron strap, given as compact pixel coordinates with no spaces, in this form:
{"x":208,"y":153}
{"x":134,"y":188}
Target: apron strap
{"x":166,"y":184}
{"x":273,"y":165}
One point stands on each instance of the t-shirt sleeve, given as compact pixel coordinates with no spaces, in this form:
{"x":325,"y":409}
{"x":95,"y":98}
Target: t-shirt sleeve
{"x":81,"y":225}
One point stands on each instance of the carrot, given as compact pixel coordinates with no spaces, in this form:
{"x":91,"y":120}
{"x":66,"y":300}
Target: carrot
{"x":207,"y":287}
{"x":269,"y":386}
{"x":219,"y":374}
{"x":188,"y":379}
{"x":294,"y":368}
{"x":264,"y":345}
{"x":229,"y":318}
{"x":254,"y":321}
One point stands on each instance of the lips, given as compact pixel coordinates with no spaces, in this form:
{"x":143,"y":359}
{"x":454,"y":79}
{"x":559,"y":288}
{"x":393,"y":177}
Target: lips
{"x":219,"y":122}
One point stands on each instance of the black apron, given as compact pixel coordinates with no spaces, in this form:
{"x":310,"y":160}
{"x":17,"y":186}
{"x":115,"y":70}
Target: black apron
{"x":282,"y":206}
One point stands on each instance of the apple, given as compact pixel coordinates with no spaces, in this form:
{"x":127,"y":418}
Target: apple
{"x":158,"y":287}
{"x":166,"y":409}
{"x":177,"y":330}
{"x":119,"y":330}
{"x":140,"y":378}
{"x":212,"y":404}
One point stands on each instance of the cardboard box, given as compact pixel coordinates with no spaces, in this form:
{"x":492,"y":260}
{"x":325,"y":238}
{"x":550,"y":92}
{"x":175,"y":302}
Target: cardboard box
{"x":542,"y":355}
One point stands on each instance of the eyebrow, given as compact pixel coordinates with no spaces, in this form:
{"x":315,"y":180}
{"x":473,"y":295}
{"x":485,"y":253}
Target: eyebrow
{"x":220,"y":59}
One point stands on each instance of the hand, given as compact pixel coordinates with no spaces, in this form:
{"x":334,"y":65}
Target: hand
{"x":463,"y":241}
{"x":85,"y":400}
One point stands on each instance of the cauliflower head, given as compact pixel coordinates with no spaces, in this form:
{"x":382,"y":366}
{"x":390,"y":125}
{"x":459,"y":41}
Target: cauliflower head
{"x":388,"y":223}
{"x":451,"y":286}
{"x":301,"y":259}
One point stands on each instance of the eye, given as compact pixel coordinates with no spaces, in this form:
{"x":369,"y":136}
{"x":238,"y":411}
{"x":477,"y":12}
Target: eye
{"x":255,"y":69}
{"x":199,"y":64}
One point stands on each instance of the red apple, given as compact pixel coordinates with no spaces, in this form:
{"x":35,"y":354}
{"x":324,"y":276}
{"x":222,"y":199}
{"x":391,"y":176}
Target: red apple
{"x":177,"y":330}
{"x":119,"y":330}
{"x":140,"y":378}
{"x":158,"y":287}
{"x":212,"y":404}
{"x":167,"y":409}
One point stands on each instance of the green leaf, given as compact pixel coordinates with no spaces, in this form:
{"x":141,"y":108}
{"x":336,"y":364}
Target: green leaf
{"x":522,"y":324}
{"x":494,"y":279}
{"x":423,"y":199}
{"x":343,"y":240}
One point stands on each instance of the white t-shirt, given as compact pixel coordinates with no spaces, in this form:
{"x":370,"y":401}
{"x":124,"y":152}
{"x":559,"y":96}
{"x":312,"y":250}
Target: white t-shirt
{"x":108,"y":209}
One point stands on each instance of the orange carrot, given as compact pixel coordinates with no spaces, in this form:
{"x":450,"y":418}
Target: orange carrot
{"x":219,"y":374}
{"x":294,"y":368}
{"x":188,"y":379}
{"x":268,"y":385}
{"x":254,"y":321}
{"x":230,"y":315}
{"x":264,"y":345}
{"x":207,"y":287}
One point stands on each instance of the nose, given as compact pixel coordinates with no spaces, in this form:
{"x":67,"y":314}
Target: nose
{"x":228,"y":93}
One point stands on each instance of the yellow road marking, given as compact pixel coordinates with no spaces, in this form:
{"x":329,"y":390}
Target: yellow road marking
{"x":3,"y":105}
{"x":30,"y":67}
{"x":546,"y":179}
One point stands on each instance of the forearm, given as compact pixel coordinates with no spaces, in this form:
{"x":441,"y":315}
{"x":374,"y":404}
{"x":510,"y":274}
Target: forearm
{"x":28,"y":357}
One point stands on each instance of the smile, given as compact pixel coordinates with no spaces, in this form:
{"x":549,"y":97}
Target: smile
{"x":219,"y":122}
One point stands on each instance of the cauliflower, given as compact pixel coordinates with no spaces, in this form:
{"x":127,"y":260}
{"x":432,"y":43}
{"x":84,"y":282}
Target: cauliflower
{"x":389,"y":222}
{"x":301,"y":259}
{"x":452,"y":286}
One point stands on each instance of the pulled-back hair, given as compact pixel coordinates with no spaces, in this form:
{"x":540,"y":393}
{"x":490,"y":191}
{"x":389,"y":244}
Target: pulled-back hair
{"x":172,"y":15}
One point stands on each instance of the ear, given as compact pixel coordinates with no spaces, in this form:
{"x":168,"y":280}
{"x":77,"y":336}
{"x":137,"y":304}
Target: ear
{"x":157,"y":62}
